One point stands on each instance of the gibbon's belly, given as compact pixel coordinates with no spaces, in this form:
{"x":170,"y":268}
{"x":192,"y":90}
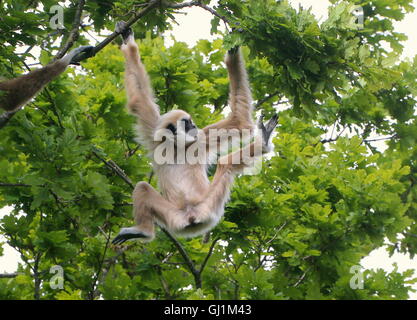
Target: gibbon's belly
{"x":182,"y":185}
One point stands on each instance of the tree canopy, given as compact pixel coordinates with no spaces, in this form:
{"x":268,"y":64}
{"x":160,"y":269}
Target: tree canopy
{"x":324,"y":200}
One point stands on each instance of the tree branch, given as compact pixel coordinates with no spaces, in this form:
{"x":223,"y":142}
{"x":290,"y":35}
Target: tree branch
{"x":94,"y":290}
{"x":203,"y":265}
{"x":116,"y":169}
{"x":5,"y":184}
{"x":152,"y":4}
{"x":74,"y":33}
{"x":9,"y":275}
{"x":189,"y":263}
{"x":266,"y":99}
{"x":167,"y":4}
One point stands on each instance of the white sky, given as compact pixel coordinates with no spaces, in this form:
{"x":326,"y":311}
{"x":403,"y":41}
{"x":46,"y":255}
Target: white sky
{"x":196,"y":25}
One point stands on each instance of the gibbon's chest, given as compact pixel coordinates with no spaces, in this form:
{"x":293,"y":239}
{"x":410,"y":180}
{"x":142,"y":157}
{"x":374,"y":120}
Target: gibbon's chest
{"x":182,"y":183}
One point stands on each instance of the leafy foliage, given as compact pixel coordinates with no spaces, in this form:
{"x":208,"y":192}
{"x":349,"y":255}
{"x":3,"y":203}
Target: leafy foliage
{"x":292,"y":232}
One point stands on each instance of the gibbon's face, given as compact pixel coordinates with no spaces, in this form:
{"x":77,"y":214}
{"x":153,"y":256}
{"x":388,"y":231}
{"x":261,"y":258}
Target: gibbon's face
{"x":177,"y":126}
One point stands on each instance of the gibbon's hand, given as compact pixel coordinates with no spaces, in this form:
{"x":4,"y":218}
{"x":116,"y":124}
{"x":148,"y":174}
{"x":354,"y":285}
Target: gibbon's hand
{"x":235,"y":49}
{"x":267,"y":130}
{"x":80,"y":54}
{"x":121,"y":28}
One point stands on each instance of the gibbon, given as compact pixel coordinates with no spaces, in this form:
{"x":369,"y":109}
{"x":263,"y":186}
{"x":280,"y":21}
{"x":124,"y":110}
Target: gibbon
{"x":15,"y":93}
{"x":190,"y":204}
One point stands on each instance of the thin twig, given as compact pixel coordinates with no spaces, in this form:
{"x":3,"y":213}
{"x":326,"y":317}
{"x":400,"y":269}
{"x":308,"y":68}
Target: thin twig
{"x":210,"y":252}
{"x":94,"y":292}
{"x":266,"y":99}
{"x":301,"y":278}
{"x":116,"y":169}
{"x":9,"y":275}
{"x":74,"y":33}
{"x":195,"y":4}
{"x":5,"y":184}
{"x":189,"y":263}
{"x":131,"y":21}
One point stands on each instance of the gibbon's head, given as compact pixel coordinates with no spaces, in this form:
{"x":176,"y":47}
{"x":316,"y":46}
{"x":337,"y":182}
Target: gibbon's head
{"x":178,"y":127}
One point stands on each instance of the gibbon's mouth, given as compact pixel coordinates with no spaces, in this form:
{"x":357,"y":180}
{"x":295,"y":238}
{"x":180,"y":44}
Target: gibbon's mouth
{"x":193,"y":133}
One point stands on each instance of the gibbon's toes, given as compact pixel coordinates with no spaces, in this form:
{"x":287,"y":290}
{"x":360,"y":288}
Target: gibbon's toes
{"x":121,"y":28}
{"x":272,"y":123}
{"x":233,"y":50}
{"x":267,"y":128}
{"x":81,"y":53}
{"x":127,"y":234}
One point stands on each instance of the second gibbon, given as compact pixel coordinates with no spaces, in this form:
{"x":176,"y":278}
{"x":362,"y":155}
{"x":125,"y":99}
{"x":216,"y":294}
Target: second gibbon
{"x":15,"y":93}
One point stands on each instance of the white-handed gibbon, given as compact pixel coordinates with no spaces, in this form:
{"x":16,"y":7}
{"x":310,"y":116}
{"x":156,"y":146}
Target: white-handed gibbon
{"x":15,"y":93}
{"x":190,"y":204}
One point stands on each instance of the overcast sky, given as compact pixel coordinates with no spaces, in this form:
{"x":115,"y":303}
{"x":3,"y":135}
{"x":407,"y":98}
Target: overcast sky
{"x":196,"y":25}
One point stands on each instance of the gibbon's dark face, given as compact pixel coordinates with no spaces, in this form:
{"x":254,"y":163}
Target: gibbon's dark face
{"x":180,"y":124}
{"x":186,"y":123}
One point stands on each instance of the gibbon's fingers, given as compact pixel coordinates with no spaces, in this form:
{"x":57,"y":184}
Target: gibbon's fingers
{"x":233,"y":50}
{"x":121,"y":28}
{"x":79,"y":54}
{"x":127,"y":234}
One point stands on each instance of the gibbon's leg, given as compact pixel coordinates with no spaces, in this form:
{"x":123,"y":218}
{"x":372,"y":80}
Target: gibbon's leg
{"x":149,"y":205}
{"x":141,"y":101}
{"x":18,"y":91}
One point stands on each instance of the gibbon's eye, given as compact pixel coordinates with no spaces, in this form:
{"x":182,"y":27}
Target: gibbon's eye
{"x":188,"y":124}
{"x":172,"y":128}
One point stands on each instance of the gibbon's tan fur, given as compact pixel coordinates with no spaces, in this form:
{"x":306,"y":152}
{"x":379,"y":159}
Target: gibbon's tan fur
{"x":190,"y":204}
{"x":15,"y":93}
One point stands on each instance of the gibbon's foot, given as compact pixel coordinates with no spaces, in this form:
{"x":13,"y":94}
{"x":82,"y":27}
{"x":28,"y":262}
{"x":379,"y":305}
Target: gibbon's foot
{"x":121,"y":28}
{"x":267,"y":130}
{"x":78,"y":54}
{"x":129,"y":233}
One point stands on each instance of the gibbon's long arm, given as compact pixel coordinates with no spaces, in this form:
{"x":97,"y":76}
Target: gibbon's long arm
{"x":141,"y":101}
{"x":240,"y":98}
{"x":15,"y":93}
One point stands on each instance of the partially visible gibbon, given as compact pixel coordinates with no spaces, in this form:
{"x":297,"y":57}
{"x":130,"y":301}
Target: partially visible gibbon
{"x":15,"y":93}
{"x":190,"y":204}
